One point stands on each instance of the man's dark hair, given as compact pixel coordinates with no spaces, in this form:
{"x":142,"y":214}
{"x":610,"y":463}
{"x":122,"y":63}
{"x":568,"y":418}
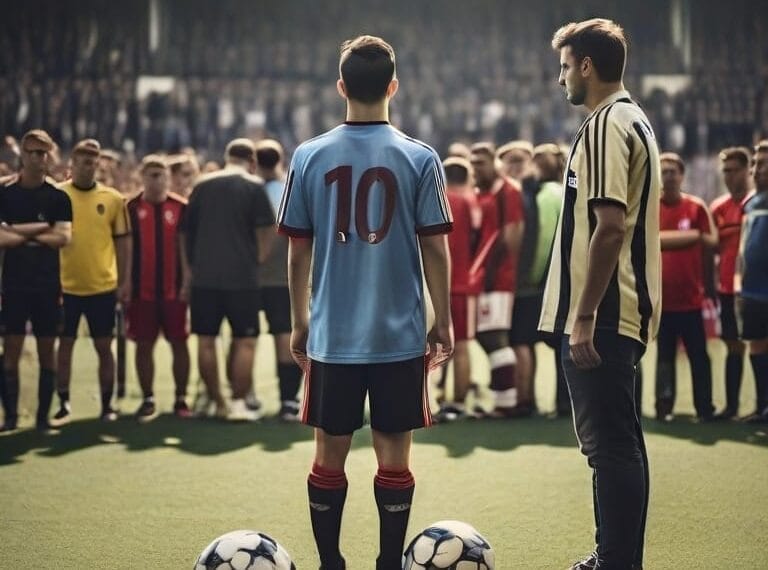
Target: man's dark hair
{"x":457,"y":170}
{"x":600,"y":40}
{"x":269,"y":153}
{"x":740,"y":154}
{"x":762,"y":146}
{"x":367,"y":66}
{"x":674,"y":158}
{"x":241,"y":149}
{"x":486,"y":148}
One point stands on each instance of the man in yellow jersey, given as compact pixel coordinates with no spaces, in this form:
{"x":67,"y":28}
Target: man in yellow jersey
{"x":95,"y":273}
{"x":603,"y":291}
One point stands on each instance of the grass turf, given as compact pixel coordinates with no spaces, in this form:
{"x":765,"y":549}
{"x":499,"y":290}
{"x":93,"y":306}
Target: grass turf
{"x":132,"y":497}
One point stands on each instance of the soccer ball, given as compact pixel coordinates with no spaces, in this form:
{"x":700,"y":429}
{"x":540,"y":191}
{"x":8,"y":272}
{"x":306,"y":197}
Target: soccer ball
{"x":449,"y":545}
{"x":244,"y":550}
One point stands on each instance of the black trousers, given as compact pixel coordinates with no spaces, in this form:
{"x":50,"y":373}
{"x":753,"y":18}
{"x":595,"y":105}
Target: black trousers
{"x":688,"y":325}
{"x":610,"y":436}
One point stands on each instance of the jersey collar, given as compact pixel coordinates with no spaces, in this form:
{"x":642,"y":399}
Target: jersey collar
{"x":365,"y":123}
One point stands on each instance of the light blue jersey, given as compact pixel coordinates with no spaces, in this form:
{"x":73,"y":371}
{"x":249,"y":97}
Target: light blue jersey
{"x":364,"y":192}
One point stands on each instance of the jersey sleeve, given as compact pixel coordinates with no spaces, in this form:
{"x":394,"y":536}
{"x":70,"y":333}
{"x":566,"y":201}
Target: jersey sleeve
{"x":121,"y":224}
{"x":63,"y":208}
{"x":608,"y":157}
{"x":293,"y":218}
{"x":433,"y":215}
{"x":704,"y":219}
{"x":514,"y":206}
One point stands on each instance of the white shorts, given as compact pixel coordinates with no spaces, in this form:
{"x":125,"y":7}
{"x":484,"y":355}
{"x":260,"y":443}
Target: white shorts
{"x":494,"y":311}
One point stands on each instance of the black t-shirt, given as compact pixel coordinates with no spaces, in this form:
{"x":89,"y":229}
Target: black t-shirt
{"x":224,"y":211}
{"x":32,"y":266}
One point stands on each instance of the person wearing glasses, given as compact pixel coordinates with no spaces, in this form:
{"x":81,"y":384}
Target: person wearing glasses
{"x":35,"y":222}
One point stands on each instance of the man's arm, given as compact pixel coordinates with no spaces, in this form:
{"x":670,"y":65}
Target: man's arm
{"x":57,"y":236}
{"x":30,"y":229}
{"x":679,"y":239}
{"x":508,"y":243}
{"x":9,"y":238}
{"x":604,"y":248}
{"x":265,"y":236}
{"x":299,"y":264}
{"x":437,"y":272}
{"x":124,"y":252}
{"x":186,"y":269}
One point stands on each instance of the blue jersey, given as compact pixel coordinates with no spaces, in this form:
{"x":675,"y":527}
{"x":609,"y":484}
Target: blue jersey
{"x":754,"y":282}
{"x":274,"y":190}
{"x":364,"y":192}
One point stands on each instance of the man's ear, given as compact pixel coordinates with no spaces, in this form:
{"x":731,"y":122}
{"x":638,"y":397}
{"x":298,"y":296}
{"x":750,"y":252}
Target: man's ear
{"x":586,"y":67}
{"x":341,"y":88}
{"x":392,"y":88}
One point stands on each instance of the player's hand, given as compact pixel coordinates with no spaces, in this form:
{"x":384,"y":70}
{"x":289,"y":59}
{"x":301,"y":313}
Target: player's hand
{"x":185,"y":291}
{"x":124,"y":293}
{"x":439,"y":345}
{"x":299,"y":336}
{"x":582,"y":343}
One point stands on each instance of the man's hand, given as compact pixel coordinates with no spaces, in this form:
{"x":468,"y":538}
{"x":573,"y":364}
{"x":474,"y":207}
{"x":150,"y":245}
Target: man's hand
{"x":582,"y":344}
{"x":185,"y":290}
{"x":299,"y":336}
{"x":124,"y":293}
{"x":439,"y":345}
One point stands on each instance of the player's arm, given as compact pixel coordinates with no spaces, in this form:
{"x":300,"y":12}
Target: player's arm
{"x":186,"y":268}
{"x":679,"y":239}
{"x":299,"y":264}
{"x":124,"y":253}
{"x":265,"y":236}
{"x":30,"y":229}
{"x":437,"y":272}
{"x":56,"y":236}
{"x":708,"y":228}
{"x":10,"y":238}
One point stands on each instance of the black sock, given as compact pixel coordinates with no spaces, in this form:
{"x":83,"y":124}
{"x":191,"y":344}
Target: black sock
{"x":760,"y":368}
{"x":394,"y":492}
{"x":45,"y":394}
{"x":734,"y":367}
{"x":9,"y":390}
{"x":106,"y":400}
{"x":64,"y":397}
{"x":289,"y":376}
{"x":327,"y":491}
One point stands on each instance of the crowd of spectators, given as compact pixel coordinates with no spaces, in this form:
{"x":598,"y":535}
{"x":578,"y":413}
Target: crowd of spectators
{"x":468,"y":71}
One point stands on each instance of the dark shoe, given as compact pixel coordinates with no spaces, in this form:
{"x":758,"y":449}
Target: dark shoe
{"x":509,"y":412}
{"x":181,"y":409}
{"x":587,"y":564}
{"x":146,"y":412}
{"x":450,"y":412}
{"x":726,"y":415}
{"x":756,"y":418}
{"x":109,"y":415}
{"x":9,"y":426}
{"x":63,"y":416}
{"x":342,"y":565}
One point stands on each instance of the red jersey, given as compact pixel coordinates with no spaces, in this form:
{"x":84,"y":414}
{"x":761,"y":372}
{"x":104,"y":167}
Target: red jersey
{"x":727,"y":214}
{"x":506,"y":194}
{"x":156,"y":257}
{"x":682,"y":270}
{"x":466,"y":217}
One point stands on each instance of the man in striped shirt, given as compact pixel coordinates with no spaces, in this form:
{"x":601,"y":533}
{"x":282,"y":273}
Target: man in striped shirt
{"x":608,"y":307}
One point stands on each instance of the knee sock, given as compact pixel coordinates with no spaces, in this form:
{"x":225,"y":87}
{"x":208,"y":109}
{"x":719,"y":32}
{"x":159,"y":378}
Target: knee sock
{"x":45,"y":394}
{"x":503,"y":361}
{"x":394,"y":492}
{"x":9,"y":390}
{"x":734,"y":367}
{"x":760,"y":368}
{"x":289,"y":376}
{"x":327,"y":490}
{"x":106,"y":399}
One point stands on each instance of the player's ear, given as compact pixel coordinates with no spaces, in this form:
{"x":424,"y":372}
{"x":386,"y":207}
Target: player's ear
{"x":586,"y":66}
{"x":341,"y":88}
{"x":392,"y":88}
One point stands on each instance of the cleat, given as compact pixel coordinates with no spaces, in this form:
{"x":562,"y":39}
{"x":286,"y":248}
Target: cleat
{"x":146,"y":412}
{"x":240,"y":412}
{"x":290,"y":411}
{"x":181,"y":409}
{"x":62,"y":417}
{"x":108,"y":415}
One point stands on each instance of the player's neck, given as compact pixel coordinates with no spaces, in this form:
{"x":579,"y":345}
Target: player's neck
{"x":362,"y":113}
{"x":738,"y":195}
{"x":672,"y":196}
{"x":27,"y":180}
{"x":601,"y":91}
{"x":155,"y":197}
{"x":84,"y":184}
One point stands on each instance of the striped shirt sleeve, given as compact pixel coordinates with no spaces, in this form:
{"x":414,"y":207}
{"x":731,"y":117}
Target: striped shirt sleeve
{"x":433,"y":215}
{"x":607,"y":152}
{"x":293,"y":217}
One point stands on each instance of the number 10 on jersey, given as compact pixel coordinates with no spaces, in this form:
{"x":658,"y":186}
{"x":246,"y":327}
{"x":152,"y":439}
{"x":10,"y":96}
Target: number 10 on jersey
{"x":342,"y":176}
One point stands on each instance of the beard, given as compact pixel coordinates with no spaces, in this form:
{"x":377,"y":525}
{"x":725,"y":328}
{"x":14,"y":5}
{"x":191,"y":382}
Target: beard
{"x":576,"y":97}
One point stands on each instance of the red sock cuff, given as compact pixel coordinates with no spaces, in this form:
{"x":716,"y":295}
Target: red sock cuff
{"x":325,"y":478}
{"x":394,"y":479}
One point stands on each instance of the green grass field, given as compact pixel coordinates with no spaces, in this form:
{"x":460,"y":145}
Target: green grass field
{"x":138,"y":497}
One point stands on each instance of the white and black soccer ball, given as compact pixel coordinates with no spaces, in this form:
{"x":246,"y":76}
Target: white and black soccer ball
{"x":449,"y":545}
{"x":244,"y":550}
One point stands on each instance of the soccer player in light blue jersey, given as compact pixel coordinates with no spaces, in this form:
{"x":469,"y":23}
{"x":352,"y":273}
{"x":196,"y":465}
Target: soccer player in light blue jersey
{"x":365,"y":206}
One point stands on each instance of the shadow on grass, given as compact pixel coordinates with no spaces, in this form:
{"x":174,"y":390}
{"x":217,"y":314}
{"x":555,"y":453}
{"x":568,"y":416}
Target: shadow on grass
{"x":191,"y":436}
{"x":460,"y":439}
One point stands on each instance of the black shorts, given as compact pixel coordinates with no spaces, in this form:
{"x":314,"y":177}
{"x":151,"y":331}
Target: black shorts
{"x":525,"y":320}
{"x":99,"y":311}
{"x":41,"y":308}
{"x":729,"y":326}
{"x":754,"y":319}
{"x":334,"y":396}
{"x":240,"y":307}
{"x":276,"y":304}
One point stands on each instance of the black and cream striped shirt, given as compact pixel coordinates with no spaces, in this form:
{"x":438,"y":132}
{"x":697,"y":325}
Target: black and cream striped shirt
{"x":614,"y":158}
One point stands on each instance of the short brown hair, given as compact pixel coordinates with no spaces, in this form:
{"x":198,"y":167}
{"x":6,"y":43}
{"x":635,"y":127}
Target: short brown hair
{"x":269,"y":153}
{"x":673,"y":157}
{"x":484,"y":148}
{"x":457,"y":170}
{"x":740,"y":154}
{"x":762,"y":146}
{"x":367,"y":66}
{"x":40,"y":136}
{"x":153,"y":161}
{"x":522,"y":145}
{"x":242,"y":149}
{"x":87,"y":146}
{"x":600,"y":40}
